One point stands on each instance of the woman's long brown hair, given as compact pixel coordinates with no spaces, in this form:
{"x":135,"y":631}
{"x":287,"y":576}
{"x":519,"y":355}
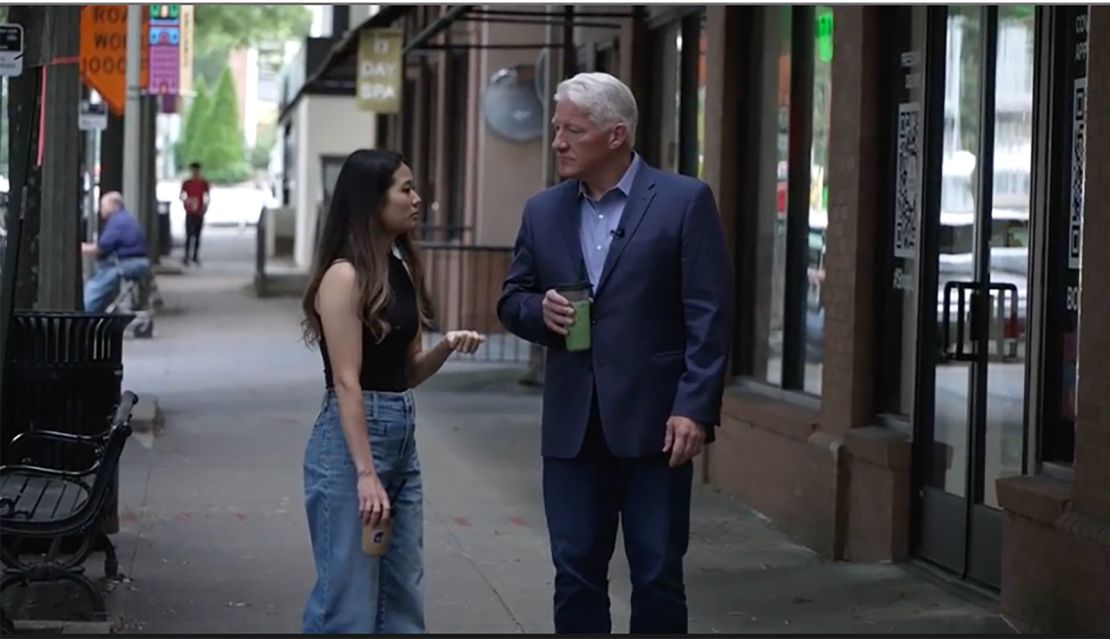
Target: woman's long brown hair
{"x":350,"y":230}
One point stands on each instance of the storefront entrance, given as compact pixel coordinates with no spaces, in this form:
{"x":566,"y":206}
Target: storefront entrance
{"x":977,"y":98}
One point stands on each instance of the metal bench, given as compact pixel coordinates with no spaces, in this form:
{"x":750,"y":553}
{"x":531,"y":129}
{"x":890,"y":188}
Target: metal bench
{"x":64,"y":507}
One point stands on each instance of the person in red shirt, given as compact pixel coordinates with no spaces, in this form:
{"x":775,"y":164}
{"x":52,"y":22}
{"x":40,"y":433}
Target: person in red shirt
{"x":194,"y":194}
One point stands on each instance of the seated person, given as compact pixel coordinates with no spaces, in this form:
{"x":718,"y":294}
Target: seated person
{"x":120,"y":253}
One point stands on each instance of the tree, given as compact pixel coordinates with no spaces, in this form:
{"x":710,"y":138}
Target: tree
{"x":219,"y":143}
{"x":200,"y":110}
{"x":223,"y":27}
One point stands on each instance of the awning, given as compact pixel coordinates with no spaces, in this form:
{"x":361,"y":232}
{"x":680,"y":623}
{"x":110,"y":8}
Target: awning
{"x":331,"y":71}
{"x":347,"y":47}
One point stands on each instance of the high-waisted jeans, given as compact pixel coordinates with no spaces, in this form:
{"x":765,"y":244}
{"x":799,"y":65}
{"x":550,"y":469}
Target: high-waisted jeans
{"x":354,"y":592}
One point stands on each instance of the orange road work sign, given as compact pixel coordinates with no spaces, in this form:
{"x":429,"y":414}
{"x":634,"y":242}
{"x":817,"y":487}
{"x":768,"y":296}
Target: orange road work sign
{"x":104,"y":52}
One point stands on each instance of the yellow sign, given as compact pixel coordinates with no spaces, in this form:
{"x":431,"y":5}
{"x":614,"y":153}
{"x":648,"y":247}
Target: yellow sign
{"x":379,"y":70}
{"x":185,"y":52}
{"x":103,"y":48}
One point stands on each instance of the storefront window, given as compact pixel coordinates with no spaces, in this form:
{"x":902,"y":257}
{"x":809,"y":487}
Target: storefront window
{"x":1062,"y":315}
{"x":791,"y":236}
{"x":1009,"y":243}
{"x":818,"y":200}
{"x":956,"y":246}
{"x":702,"y":44}
{"x":675,"y":121}
{"x":770,"y":245}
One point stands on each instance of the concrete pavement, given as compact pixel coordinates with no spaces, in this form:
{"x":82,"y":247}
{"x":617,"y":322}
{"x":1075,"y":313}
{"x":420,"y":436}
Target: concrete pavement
{"x":214,"y":538}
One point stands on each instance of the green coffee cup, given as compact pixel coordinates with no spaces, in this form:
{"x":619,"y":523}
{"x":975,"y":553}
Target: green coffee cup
{"x":578,"y":333}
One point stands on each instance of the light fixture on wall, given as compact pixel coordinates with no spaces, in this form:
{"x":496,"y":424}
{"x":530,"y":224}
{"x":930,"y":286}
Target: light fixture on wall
{"x":510,"y":105}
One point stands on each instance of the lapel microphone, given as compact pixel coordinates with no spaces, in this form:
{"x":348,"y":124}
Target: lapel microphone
{"x":617,"y":232}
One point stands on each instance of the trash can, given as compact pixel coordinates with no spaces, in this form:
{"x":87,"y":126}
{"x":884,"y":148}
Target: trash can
{"x":64,"y":372}
{"x":165,"y":238}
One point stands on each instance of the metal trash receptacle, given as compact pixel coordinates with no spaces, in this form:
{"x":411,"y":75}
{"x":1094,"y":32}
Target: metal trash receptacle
{"x":64,"y":372}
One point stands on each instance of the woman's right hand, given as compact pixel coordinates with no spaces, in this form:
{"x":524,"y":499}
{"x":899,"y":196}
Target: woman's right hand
{"x":373,"y":503}
{"x":464,"y":341}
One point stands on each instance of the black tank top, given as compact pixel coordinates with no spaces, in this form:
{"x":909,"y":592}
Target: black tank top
{"x":383,"y":363}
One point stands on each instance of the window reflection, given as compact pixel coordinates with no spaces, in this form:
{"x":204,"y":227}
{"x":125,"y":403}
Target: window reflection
{"x":701,"y":99}
{"x":818,"y":200}
{"x":1009,"y":245}
{"x":955,"y":263}
{"x":773,"y":166}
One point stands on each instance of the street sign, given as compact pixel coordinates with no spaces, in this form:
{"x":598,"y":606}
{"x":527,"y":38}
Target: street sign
{"x":165,"y":44}
{"x":104,"y":53}
{"x":11,"y":49}
{"x":185,"y":52}
{"x":92,"y":117}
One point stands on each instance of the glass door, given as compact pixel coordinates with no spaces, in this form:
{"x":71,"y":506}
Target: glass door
{"x":970,"y":426}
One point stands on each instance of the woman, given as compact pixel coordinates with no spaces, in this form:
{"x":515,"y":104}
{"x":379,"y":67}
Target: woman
{"x":364,"y":307}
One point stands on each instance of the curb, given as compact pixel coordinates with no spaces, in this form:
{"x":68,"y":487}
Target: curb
{"x":47,"y":627}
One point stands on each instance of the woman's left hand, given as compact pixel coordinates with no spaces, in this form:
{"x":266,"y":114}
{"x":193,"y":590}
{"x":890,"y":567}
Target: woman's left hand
{"x":464,"y":341}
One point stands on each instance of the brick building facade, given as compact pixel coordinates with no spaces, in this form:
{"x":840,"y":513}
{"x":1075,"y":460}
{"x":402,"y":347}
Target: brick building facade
{"x":840,"y":470}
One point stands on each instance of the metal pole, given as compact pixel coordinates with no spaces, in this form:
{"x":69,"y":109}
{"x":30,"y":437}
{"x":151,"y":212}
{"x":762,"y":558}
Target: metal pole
{"x":133,"y":113}
{"x":552,"y":74}
{"x":147,"y":207}
{"x":91,"y":207}
{"x":550,"y":80}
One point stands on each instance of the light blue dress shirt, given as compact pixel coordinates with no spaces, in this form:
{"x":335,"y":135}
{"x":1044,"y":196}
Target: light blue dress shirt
{"x":601,"y":218}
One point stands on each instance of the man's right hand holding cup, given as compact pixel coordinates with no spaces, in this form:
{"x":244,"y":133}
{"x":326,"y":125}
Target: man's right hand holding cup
{"x":558,"y":314}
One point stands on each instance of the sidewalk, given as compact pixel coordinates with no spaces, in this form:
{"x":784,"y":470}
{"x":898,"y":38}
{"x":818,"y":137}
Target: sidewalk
{"x":214,"y":539}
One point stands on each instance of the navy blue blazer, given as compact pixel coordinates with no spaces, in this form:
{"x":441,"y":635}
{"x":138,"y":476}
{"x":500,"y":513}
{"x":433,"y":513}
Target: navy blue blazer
{"x":662,"y":313}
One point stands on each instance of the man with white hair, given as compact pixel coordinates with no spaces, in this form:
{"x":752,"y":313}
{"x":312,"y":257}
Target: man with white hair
{"x":624,"y":418}
{"x":120,"y":253}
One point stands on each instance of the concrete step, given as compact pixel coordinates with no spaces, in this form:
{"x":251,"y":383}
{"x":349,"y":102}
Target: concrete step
{"x":147,"y":416}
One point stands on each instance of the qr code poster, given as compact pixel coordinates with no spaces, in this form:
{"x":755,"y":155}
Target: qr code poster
{"x":1078,"y":159}
{"x":907,"y":181}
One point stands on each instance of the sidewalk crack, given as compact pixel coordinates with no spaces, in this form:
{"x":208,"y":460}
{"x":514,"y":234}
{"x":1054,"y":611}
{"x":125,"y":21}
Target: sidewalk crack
{"x":462,"y":551}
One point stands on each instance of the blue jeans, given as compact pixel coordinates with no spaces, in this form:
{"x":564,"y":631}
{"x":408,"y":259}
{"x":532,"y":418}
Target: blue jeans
{"x":354,"y":592}
{"x":585,"y":499}
{"x":103,"y":286}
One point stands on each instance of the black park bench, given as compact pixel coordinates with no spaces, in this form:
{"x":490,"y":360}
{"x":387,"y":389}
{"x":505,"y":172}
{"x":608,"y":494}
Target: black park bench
{"x":42,"y":503}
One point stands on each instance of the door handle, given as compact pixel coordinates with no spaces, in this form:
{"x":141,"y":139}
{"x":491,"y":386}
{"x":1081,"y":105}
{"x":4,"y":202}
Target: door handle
{"x":975,"y":316}
{"x":967,"y":318}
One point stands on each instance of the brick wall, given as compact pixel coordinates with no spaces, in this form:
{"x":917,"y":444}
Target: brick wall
{"x":1056,"y":537}
{"x":1055,"y":560}
{"x":843,"y":497}
{"x":766,"y":455}
{"x":855,"y":174}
